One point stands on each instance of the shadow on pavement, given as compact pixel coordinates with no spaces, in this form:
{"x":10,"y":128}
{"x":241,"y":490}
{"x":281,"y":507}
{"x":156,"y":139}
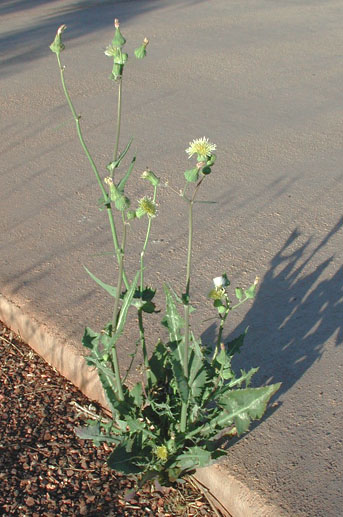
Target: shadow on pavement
{"x":27,"y":36}
{"x":294,"y":314}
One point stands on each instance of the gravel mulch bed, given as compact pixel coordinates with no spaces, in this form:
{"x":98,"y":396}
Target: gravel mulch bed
{"x":45,"y":470}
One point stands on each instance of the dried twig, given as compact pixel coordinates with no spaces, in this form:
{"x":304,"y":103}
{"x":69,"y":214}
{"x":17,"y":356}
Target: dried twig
{"x":12,"y":344}
{"x":206,"y":493}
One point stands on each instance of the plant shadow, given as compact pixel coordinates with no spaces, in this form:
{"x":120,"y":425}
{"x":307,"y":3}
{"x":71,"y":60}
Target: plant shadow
{"x":297,"y":310}
{"x":29,"y":39}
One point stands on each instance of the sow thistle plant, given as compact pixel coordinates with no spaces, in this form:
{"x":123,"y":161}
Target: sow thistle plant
{"x":171,"y":421}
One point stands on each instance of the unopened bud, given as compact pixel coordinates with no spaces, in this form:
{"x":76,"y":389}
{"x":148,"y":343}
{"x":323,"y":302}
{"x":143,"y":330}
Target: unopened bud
{"x":61,"y":29}
{"x":140,"y":52}
{"x":57,"y":45}
{"x":130,"y":214}
{"x":118,"y":40}
{"x":122,"y":203}
{"x":150,"y":176}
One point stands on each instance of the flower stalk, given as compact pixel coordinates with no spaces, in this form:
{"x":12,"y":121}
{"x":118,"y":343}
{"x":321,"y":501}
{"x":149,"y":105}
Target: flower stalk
{"x":140,"y":310}
{"x":119,"y":104}
{"x":92,"y":163}
{"x":190,"y":202}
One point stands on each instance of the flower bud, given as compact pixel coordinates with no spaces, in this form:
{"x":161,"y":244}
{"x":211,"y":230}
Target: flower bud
{"x":131,"y":214}
{"x":118,"y":40}
{"x":57,"y":45}
{"x":140,"y":52}
{"x":114,"y":192}
{"x":150,"y":176}
{"x":122,"y":203}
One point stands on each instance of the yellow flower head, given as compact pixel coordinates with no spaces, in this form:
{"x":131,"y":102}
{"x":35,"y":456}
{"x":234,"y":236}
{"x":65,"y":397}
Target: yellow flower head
{"x":146,"y":206}
{"x":162,"y":452}
{"x":202,"y":147}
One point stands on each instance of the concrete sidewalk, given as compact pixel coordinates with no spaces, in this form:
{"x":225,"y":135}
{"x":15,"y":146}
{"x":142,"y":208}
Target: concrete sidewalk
{"x":261,"y":79}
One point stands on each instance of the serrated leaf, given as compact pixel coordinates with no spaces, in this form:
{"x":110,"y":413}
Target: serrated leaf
{"x":172,"y":320}
{"x":93,"y":432}
{"x":90,"y":338}
{"x":198,"y":374}
{"x":157,"y":363}
{"x":239,"y":293}
{"x":236,"y":344}
{"x":251,"y":291}
{"x":107,"y":379}
{"x":179,"y":376}
{"x":193,"y":458}
{"x":245,"y":377}
{"x":123,"y":461}
{"x":149,"y":307}
{"x":223,"y":358}
{"x":108,"y":288}
{"x":137,"y":394}
{"x":244,"y":405}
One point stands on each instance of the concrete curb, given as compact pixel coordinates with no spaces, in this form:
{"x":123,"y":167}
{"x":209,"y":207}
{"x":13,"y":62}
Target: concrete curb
{"x":230,"y":496}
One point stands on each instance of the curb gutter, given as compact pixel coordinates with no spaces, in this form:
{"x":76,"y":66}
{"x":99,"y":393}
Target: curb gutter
{"x":230,"y":496}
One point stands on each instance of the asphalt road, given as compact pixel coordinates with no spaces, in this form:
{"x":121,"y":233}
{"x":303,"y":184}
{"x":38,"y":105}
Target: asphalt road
{"x":263,"y":80}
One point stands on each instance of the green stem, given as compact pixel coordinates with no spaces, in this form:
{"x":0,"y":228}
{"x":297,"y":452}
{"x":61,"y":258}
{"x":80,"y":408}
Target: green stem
{"x":91,"y":161}
{"x":145,"y":245}
{"x":120,"y":278}
{"x":220,"y":333}
{"x":115,"y":360}
{"x":140,"y":312}
{"x":183,"y":422}
{"x":116,"y":145}
{"x":144,"y":349}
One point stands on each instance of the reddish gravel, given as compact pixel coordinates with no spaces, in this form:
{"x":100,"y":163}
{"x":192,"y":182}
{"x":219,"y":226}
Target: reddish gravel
{"x":45,"y":470}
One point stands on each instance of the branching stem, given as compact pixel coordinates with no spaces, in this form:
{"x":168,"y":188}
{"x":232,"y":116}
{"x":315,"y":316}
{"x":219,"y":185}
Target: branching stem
{"x":92,"y":163}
